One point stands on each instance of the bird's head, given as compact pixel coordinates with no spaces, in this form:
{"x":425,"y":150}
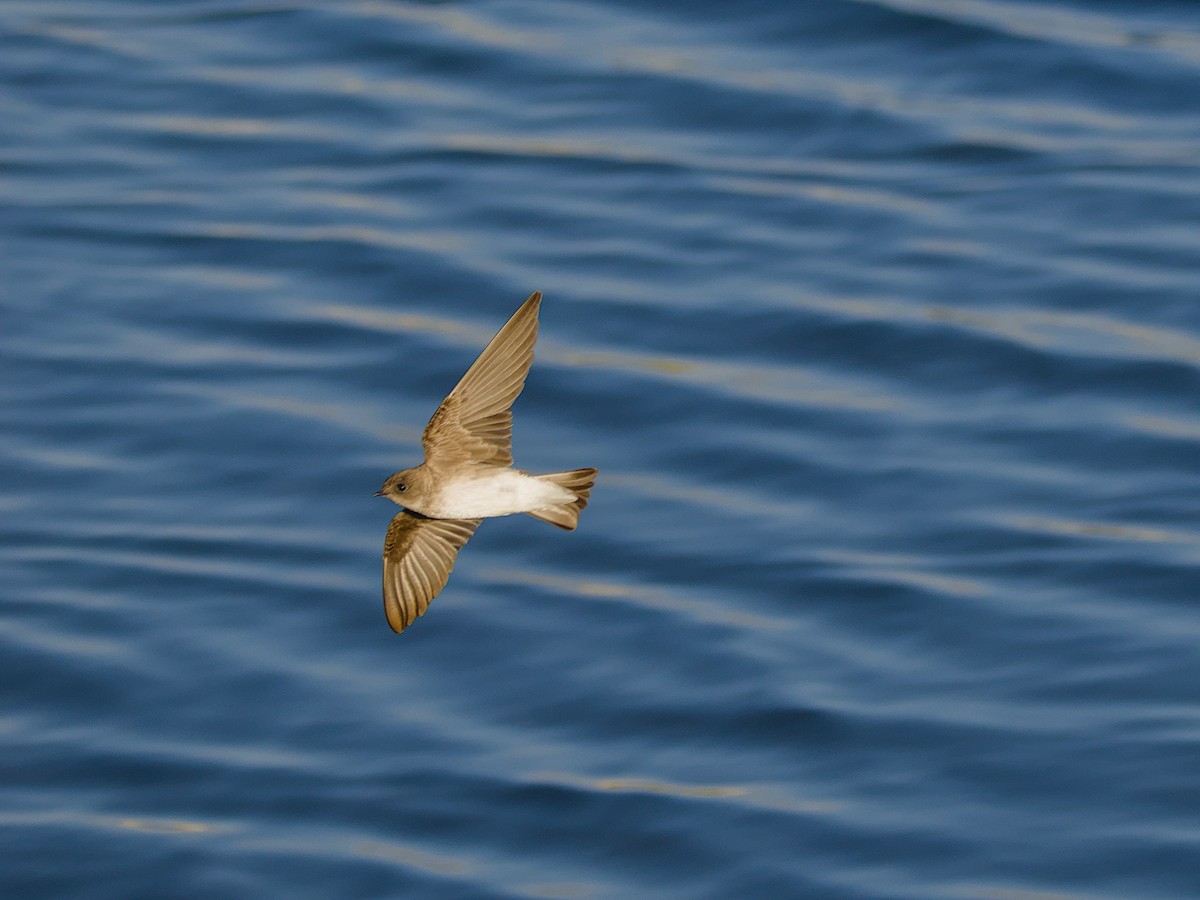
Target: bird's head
{"x":398,"y":487}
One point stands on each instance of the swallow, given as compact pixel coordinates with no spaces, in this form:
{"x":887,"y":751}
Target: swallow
{"x":468,"y":475}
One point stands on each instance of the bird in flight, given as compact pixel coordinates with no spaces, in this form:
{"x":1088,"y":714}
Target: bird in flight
{"x":468,"y":475}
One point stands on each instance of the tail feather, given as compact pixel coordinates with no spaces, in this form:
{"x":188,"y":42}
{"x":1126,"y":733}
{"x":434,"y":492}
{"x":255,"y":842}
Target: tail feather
{"x":566,"y":515}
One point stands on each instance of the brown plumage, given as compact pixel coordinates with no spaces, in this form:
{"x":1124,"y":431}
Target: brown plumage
{"x":467,"y":475}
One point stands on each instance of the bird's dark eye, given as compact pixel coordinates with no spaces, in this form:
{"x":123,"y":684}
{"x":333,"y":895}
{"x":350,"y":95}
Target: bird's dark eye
{"x":402,"y":488}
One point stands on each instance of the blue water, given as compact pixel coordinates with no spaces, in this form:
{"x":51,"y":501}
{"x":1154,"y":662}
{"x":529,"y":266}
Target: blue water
{"x":879,"y":318}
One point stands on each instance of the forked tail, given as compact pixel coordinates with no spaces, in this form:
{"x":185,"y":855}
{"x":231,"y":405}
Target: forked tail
{"x":566,"y":515}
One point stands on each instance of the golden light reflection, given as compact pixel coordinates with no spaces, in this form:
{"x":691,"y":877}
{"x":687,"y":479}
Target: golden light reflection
{"x":1107,"y":530}
{"x":331,"y":80}
{"x":907,"y":570}
{"x":1164,"y":426}
{"x":728,"y":499}
{"x":425,"y":240}
{"x":560,"y":891}
{"x":760,"y":796}
{"x":359,"y":420}
{"x":829,"y":193}
{"x":984,"y":892}
{"x":411,"y":857}
{"x":640,"y":595}
{"x":1069,"y":332}
{"x":227,"y":127}
{"x":163,"y":826}
{"x":458,"y":22}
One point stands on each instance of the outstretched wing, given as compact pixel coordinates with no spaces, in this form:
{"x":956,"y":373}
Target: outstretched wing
{"x":418,"y":554}
{"x":474,"y":423}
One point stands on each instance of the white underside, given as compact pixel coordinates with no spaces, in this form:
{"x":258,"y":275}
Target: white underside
{"x":499,"y":494}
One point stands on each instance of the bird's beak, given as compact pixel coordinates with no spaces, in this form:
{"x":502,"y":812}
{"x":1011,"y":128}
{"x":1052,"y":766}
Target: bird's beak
{"x":377,"y":494}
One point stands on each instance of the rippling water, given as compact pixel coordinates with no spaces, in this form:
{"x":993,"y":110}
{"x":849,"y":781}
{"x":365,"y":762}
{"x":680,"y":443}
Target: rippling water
{"x":879,"y":319}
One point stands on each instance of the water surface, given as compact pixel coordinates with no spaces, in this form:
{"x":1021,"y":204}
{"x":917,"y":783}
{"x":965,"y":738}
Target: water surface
{"x":879,"y":319}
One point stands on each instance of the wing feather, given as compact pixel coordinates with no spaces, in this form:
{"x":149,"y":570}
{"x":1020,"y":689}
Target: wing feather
{"x":418,"y":555}
{"x":474,"y":422}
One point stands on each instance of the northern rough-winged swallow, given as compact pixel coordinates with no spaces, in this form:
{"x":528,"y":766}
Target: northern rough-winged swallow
{"x":468,"y":475}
